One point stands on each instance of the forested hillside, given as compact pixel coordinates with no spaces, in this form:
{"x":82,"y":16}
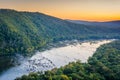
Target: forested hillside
{"x":104,"y":65}
{"x":24,"y":32}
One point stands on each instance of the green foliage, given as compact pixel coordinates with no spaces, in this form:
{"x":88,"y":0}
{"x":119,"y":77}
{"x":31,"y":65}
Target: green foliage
{"x":108,"y":60}
{"x":104,"y":65}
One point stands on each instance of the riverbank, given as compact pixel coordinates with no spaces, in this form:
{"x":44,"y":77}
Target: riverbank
{"x":54,"y":57}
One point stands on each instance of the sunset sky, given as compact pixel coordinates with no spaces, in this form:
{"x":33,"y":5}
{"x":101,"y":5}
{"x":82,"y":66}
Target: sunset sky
{"x":91,"y":10}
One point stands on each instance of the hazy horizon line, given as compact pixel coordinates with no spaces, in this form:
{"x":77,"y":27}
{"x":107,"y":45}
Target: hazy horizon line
{"x":58,"y":17}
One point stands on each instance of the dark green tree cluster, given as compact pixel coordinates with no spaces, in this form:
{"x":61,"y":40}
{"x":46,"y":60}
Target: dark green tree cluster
{"x":104,"y":65}
{"x":6,"y":62}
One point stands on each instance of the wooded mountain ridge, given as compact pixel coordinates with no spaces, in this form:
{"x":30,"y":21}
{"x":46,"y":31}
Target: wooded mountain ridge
{"x":24,"y":32}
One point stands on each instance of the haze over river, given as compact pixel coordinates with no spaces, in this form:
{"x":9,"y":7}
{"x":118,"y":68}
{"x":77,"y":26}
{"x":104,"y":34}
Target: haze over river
{"x":54,"y":57}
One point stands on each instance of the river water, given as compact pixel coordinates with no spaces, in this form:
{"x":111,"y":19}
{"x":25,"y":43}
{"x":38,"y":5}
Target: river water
{"x":55,"y":57}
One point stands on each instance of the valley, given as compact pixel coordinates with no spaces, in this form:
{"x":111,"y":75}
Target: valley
{"x":33,"y":41}
{"x":54,"y":58}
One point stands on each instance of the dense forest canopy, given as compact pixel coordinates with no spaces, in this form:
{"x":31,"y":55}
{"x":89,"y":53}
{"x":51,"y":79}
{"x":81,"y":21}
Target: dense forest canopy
{"x":104,"y":65}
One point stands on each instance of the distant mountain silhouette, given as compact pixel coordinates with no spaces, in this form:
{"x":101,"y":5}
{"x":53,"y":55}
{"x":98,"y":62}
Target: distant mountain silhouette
{"x":114,"y":24}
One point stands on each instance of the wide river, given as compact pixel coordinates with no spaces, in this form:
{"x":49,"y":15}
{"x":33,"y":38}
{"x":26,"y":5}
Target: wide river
{"x":54,"y":57}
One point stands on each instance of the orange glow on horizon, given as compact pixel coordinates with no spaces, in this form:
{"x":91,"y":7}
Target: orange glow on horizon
{"x":89,"y":10}
{"x":86,"y":17}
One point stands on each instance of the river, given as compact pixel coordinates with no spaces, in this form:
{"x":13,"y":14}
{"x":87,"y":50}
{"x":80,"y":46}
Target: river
{"x":54,"y":57}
